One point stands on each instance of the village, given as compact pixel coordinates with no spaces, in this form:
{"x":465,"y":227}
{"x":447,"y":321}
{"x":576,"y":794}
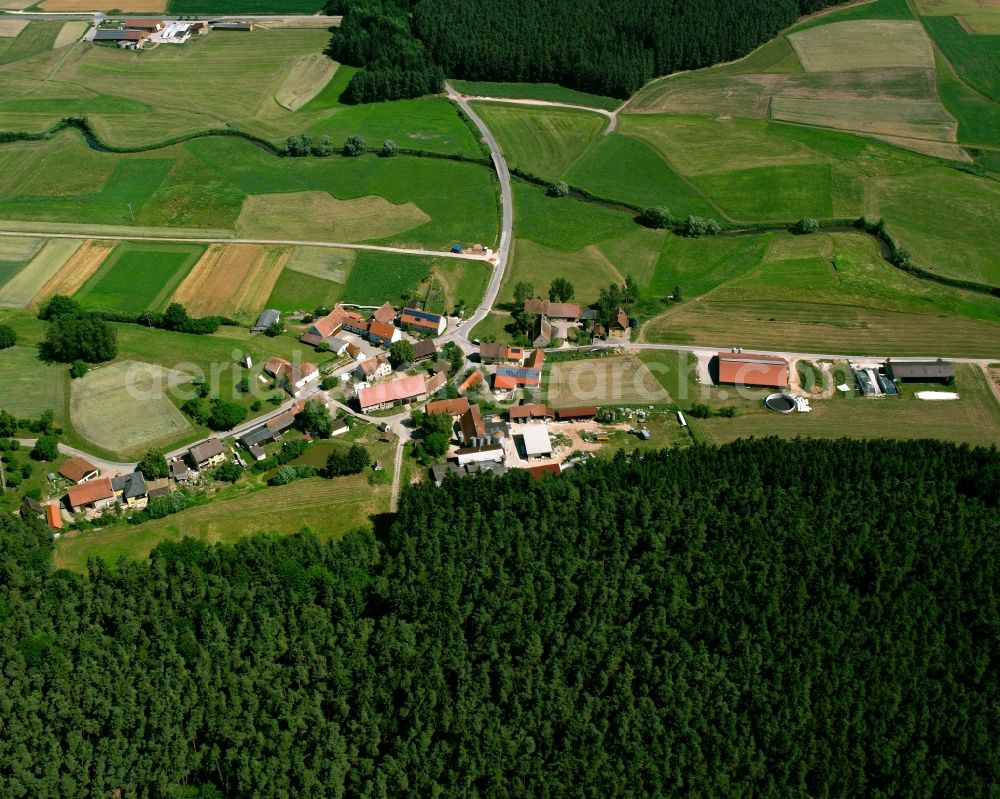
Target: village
{"x":138,"y":34}
{"x":401,"y":373}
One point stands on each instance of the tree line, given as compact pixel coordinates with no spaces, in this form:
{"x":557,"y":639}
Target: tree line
{"x":592,"y":45}
{"x":764,"y":619}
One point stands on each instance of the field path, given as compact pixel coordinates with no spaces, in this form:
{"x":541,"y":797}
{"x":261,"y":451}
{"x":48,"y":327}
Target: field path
{"x":612,"y":116}
{"x":397,"y":471}
{"x":265,"y":242}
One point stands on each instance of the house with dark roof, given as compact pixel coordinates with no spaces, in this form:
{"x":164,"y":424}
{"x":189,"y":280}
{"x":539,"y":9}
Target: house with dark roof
{"x":618,"y":325}
{"x":179,"y":470}
{"x":921,"y":371}
{"x":130,"y":489}
{"x":541,"y":332}
{"x":78,"y":470}
{"x":424,"y":321}
{"x":31,"y":508}
{"x":424,"y":350}
{"x":339,"y":427}
{"x":265,"y":320}
{"x":207,"y":454}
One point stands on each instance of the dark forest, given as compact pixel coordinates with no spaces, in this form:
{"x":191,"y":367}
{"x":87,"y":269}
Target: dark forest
{"x":767,"y":619}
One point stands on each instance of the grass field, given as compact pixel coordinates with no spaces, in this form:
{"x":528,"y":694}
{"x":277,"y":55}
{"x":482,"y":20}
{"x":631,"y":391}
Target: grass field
{"x":232,"y":280}
{"x":330,"y":507}
{"x":975,"y":57}
{"x":947,"y":220}
{"x":463,"y":284}
{"x":976,"y":114}
{"x":603,"y":381}
{"x":71,"y":32}
{"x":972,"y":419}
{"x":926,"y":119}
{"x":862,"y":45}
{"x":205,"y":184}
{"x":784,"y":192}
{"x":549,"y":92}
{"x":242,"y":7}
{"x":139,"y":276}
{"x":314,"y":277}
{"x":124,"y":408}
{"x":547,"y":142}
{"x":30,"y":386}
{"x":312,"y":214}
{"x":37,"y":37}
{"x":307,"y":79}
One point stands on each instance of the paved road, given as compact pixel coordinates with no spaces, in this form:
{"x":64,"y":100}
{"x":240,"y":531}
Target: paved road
{"x":612,"y":116}
{"x":106,"y":466}
{"x":461,"y":336}
{"x":283,"y":242}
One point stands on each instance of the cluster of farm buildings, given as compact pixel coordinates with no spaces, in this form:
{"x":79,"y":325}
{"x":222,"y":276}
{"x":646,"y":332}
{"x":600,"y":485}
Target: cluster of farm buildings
{"x":136,"y":34}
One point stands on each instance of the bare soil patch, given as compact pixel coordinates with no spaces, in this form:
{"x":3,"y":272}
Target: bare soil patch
{"x":77,"y":270}
{"x":604,"y":381}
{"x":230,"y":279}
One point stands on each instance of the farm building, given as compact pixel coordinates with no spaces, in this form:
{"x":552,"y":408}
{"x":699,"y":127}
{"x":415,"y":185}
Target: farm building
{"x":528,"y":412}
{"x":541,"y":332}
{"x":252,"y":440}
{"x":147,"y":25}
{"x":338,"y":346}
{"x":372,"y":369}
{"x":536,"y":441}
{"x":441,"y":470}
{"x":383,"y":334}
{"x":921,"y":371}
{"x":207,"y":454}
{"x":436,"y":382}
{"x":537,"y":360}
{"x":31,"y":508}
{"x":508,"y":378}
{"x":538,"y":472}
{"x":750,"y":369}
{"x":325,"y":326}
{"x":563,"y":311}
{"x":395,"y":392}
{"x":619,"y":323}
{"x":386,"y":314}
{"x":179,"y":470}
{"x":231,"y":25}
{"x":294,"y":377}
{"x":130,"y":489}
{"x":96,"y":494}
{"x":265,"y":320}
{"x":340,"y":426}
{"x":452,"y":407}
{"x":424,"y":350}
{"x":502,"y":354}
{"x":78,"y":470}
{"x":282,"y":422}
{"x":110,"y":35}
{"x":355,"y":323}
{"x":355,"y":352}
{"x":471,"y":381}
{"x":52,"y":516}
{"x":425,"y":322}
{"x":576,"y":414}
{"x":486,"y":452}
{"x":472,"y":424}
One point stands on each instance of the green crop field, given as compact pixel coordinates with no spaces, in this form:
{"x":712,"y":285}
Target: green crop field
{"x":137,"y":277}
{"x":330,"y":507}
{"x":379,"y":277}
{"x":243,"y":7}
{"x":977,"y":16}
{"x":461,"y":282}
{"x":975,"y":57}
{"x":975,"y":114}
{"x":36,"y":38}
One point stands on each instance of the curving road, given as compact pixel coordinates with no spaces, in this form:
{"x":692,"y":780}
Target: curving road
{"x":107,"y":467}
{"x":506,"y":221}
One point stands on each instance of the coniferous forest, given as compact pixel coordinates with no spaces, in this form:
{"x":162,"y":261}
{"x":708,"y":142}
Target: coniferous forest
{"x":768,"y":619}
{"x":609,"y":48}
